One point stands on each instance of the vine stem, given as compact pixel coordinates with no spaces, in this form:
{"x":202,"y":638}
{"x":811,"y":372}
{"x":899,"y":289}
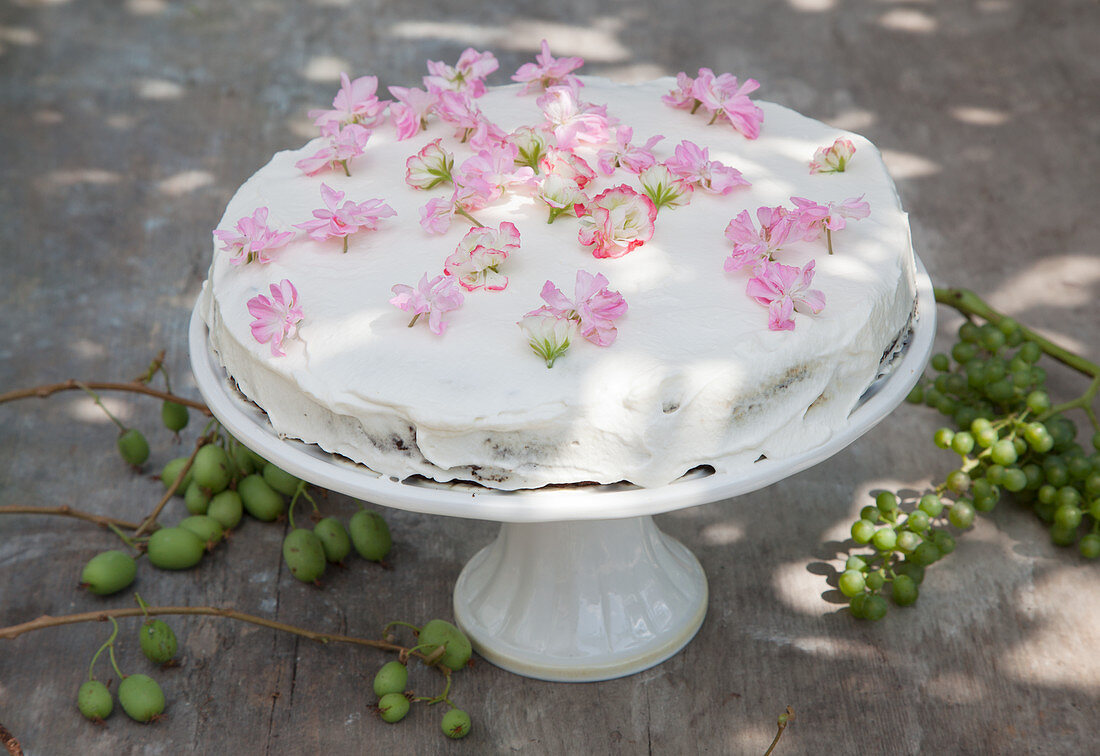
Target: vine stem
{"x":72,"y":384}
{"x":67,"y":511}
{"x":784,"y":719}
{"x":151,"y":520}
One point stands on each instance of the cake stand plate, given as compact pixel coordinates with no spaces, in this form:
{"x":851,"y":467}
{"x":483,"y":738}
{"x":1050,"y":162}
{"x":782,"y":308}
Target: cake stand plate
{"x":579,"y":584}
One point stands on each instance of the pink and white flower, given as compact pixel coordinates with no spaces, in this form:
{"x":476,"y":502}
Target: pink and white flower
{"x":492,"y":171}
{"x":465,"y":76}
{"x":548,"y":71}
{"x":561,"y":195}
{"x":436,"y":297}
{"x":344,"y":143}
{"x":752,"y":244}
{"x":834,"y":158}
{"x":616,"y":221}
{"x":477,"y":259}
{"x":276,"y":319}
{"x":411,"y":110}
{"x":430,"y":167}
{"x":340,"y":221}
{"x":567,"y":164}
{"x":548,"y":335}
{"x":594,"y":307}
{"x":784,"y":290}
{"x":665,"y":188}
{"x":683,"y":97}
{"x":251,"y":239}
{"x":692,"y":163}
{"x":626,"y":155}
{"x":813,"y":219}
{"x":356,"y":102}
{"x":436,"y":215}
{"x":530,"y":146}
{"x":727,"y":98}
{"x":574,"y":122}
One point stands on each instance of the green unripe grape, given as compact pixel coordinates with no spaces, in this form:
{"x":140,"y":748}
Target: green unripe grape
{"x":280,"y":480}
{"x":197,"y":499}
{"x":925,"y":554}
{"x":886,"y":501}
{"x":174,"y":415}
{"x":904,"y":591}
{"x":1079,"y":468}
{"x":986,"y":437}
{"x":1067,"y":516}
{"x":226,"y":508}
{"x":969,"y":332}
{"x":1063,"y":430}
{"x":862,"y":531}
{"x":140,"y":696}
{"x":1015,"y":480}
{"x":1020,"y":445}
{"x":965,"y":415}
{"x":442,"y":633}
{"x":456,"y":724}
{"x":1038,"y":402}
{"x":304,"y":555}
{"x":1001,"y":391}
{"x":990,"y":338}
{"x":1056,"y":472}
{"x":947,"y":406}
{"x":1067,"y":496}
{"x":954,"y":384}
{"x":855,"y":562}
{"x":908,"y":540}
{"x":1044,"y":511}
{"x":962,"y":443}
{"x":1089,"y":546}
{"x":1034,"y":475}
{"x":875,"y":608}
{"x":244,"y":460}
{"x":1030,"y":352}
{"x":884,"y":539}
{"x":370,"y":535}
{"x":1047,"y":493}
{"x":392,"y":678}
{"x":94,"y":700}
{"x":175,"y":549}
{"x":856,"y":605}
{"x":1094,"y":509}
{"x":943,"y":438}
{"x":916,"y":396}
{"x":931,"y":504}
{"x":108,"y":572}
{"x":940,"y":362}
{"x":995,"y":474}
{"x":944,"y":541}
{"x":914,"y":571}
{"x":961,"y":514}
{"x":932,"y":397}
{"x":209,"y":530}
{"x":259,"y":499}
{"x":334,"y":538}
{"x":918,"y":521}
{"x":133,"y":447}
{"x":958,"y":481}
{"x":875,"y":580}
{"x":211,"y":468}
{"x":1092,"y":484}
{"x":1003,"y":452}
{"x":980,"y":425}
{"x":964,"y":352}
{"x":851,"y":583}
{"x":869,"y":512}
{"x":158,"y":642}
{"x":1060,"y":536}
{"x":171,"y":471}
{"x":393,"y":707}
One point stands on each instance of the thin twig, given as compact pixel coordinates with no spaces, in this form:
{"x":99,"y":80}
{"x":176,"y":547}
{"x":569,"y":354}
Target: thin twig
{"x":67,"y":511}
{"x":784,"y":719}
{"x":72,"y":384}
{"x":151,"y":520}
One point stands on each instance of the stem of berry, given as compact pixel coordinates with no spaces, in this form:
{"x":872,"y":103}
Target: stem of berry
{"x":95,"y":658}
{"x":99,"y":403}
{"x":784,"y":719}
{"x":148,"y":523}
{"x":72,"y":384}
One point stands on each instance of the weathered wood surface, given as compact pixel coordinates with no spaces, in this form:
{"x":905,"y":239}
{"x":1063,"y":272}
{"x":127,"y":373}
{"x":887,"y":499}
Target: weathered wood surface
{"x":127,"y":126}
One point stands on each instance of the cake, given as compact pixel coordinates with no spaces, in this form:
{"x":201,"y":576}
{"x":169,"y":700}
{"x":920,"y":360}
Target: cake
{"x":684,"y":361}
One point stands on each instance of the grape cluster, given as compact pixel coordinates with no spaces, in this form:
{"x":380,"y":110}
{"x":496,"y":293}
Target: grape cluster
{"x":1008,"y":438}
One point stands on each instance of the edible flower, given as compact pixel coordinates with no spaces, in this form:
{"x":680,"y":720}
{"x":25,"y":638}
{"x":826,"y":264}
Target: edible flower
{"x":530,"y":146}
{"x":335,"y":220}
{"x":411,"y":110}
{"x":616,"y":221}
{"x":344,"y":143}
{"x":571,"y":121}
{"x":567,"y":164}
{"x":785,"y":289}
{"x":813,"y":219}
{"x":548,"y":335}
{"x":723,"y":96}
{"x":834,"y":158}
{"x":594,"y":307}
{"x":430,"y":167}
{"x":276,"y":319}
{"x":665,"y":188}
{"x":476,"y":261}
{"x":692,"y":163}
{"x":548,"y":71}
{"x":436,"y":297}
{"x":252,"y":239}
{"x":561,"y":195}
{"x":626,"y":155}
{"x":464,"y":76}
{"x":752,"y":245}
{"x":355,"y":103}
{"x":493,"y":170}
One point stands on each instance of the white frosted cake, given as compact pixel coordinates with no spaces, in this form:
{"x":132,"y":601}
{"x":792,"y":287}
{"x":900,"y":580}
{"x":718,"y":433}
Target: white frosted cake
{"x":691,"y":367}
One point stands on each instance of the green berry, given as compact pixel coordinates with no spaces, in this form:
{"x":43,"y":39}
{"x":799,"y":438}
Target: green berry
{"x":456,"y":724}
{"x":209,"y":530}
{"x":171,"y":471}
{"x":851,"y":583}
{"x":886,"y":501}
{"x":393,"y":707}
{"x":175,"y":549}
{"x":963,"y":443}
{"x":226,"y":508}
{"x":941,"y":362}
{"x":925,"y":554}
{"x":943,"y":438}
{"x":945,"y":542}
{"x":392,"y":678}
{"x":961,"y":514}
{"x":884,"y":539}
{"x":856,"y":605}
{"x":958,"y":481}
{"x":1067,"y":516}
{"x":133,"y":447}
{"x":1061,"y":536}
{"x":94,"y":700}
{"x":370,"y":535}
{"x":875,"y":580}
{"x":1015,"y":480}
{"x":334,"y":538}
{"x":158,"y":642}
{"x":174,"y":415}
{"x":280,"y":480}
{"x":918,"y":521}
{"x":108,"y":572}
{"x":869,"y":512}
{"x":914,"y":571}
{"x":197,"y":499}
{"x":908,"y":540}
{"x":442,"y":633}
{"x":862,"y":531}
{"x":904,"y":590}
{"x":211,"y":468}
{"x":304,"y":555}
{"x":855,"y":562}
{"x":875,"y":608}
{"x":1089,"y":546}
{"x":259,"y":499}
{"x":141,"y":698}
{"x":916,"y":395}
{"x":1038,"y":402}
{"x":969,"y":332}
{"x":931,"y":504}
{"x":1003,"y":452}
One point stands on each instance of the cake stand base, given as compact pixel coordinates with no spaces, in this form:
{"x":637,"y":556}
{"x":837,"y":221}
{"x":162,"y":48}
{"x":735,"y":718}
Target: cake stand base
{"x":580,"y":601}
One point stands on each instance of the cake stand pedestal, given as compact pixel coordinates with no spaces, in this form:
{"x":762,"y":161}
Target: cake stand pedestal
{"x":580,"y":584}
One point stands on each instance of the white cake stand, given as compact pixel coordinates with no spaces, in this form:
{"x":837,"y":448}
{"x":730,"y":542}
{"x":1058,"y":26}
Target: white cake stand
{"x":579,"y":585}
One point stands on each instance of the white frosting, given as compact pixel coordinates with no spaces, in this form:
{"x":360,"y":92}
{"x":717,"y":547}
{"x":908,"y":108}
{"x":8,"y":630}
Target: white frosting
{"x":694,"y":378}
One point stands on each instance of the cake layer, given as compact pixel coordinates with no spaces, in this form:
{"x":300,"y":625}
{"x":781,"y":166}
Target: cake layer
{"x":695,"y":376}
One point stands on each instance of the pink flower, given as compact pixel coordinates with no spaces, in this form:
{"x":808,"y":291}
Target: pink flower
{"x":476,"y":261}
{"x":336,"y":220}
{"x":813,"y":219}
{"x":410,"y":112}
{"x":567,"y":164}
{"x":616,"y":221}
{"x":436,"y":297}
{"x":665,"y":188}
{"x":548,"y":71}
{"x":626,"y":155}
{"x":276,"y":319}
{"x":547,"y":335}
{"x":494,"y":170}
{"x":682,"y":98}
{"x":725,"y":97}
{"x":356,"y":102}
{"x":692,"y":163}
{"x":594,"y":307}
{"x":561,"y":195}
{"x":430,"y":167}
{"x":344,"y":144}
{"x":834,"y":158}
{"x":252,"y":239}
{"x":436,"y":215}
{"x":784,"y":289}
{"x":465,"y":76}
{"x":776,"y":226}
{"x":573,"y":122}
{"x":530,"y":146}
